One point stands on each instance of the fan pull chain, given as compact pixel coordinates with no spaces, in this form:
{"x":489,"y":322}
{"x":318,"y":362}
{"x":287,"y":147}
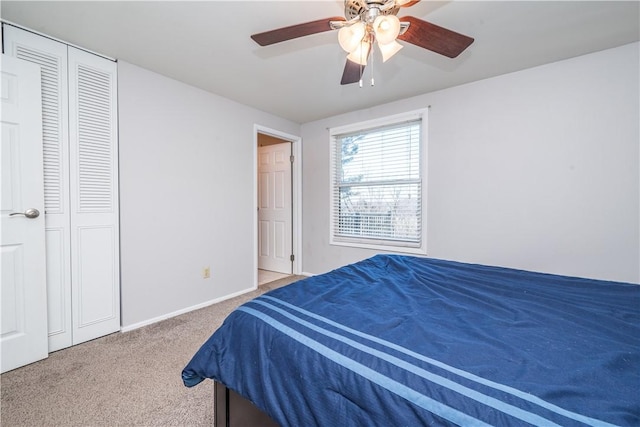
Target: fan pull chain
{"x":361,"y":66}
{"x":372,"y":61}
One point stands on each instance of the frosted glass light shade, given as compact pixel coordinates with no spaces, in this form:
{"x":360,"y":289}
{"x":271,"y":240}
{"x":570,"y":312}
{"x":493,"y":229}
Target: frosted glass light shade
{"x":351,"y":36}
{"x":389,"y":49}
{"x":360,"y":54}
{"x":386,"y":28}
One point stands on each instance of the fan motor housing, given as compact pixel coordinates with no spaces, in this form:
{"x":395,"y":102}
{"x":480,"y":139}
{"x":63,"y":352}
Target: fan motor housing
{"x":361,"y":8}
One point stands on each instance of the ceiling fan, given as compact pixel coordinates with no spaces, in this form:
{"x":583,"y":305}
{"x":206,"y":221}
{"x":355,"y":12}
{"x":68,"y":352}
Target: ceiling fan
{"x":373,"y":22}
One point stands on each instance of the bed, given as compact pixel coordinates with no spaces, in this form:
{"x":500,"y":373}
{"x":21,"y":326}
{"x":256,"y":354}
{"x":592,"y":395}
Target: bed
{"x":408,"y":341}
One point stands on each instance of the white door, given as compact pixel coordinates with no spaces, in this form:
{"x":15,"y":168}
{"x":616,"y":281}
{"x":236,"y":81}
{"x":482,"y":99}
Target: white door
{"x":24,"y":294}
{"x":51,"y":56}
{"x":93,"y":168}
{"x":274,"y":208}
{"x":79,"y":98}
{"x":79,"y":93}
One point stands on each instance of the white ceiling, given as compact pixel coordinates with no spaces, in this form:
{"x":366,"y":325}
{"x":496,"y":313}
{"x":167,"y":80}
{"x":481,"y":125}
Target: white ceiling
{"x":206,"y":44}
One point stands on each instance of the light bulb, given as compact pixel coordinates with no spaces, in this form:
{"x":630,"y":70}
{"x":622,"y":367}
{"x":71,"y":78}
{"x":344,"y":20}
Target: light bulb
{"x":389,"y":49}
{"x":350,"y":37}
{"x":386,"y":28}
{"x":360,"y":54}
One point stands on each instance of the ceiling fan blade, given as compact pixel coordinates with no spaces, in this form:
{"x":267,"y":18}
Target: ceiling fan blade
{"x":352,"y":73}
{"x":433,"y":37}
{"x":294,"y":31}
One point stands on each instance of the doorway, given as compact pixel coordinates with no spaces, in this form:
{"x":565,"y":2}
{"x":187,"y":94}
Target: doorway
{"x":277,"y":205}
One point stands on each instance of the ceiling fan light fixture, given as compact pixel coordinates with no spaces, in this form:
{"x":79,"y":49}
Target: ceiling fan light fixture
{"x":386,"y":28}
{"x":350,"y":37}
{"x":367,"y":22}
{"x":360,"y":54}
{"x":389,"y":49}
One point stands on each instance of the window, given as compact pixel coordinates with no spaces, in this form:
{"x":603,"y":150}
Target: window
{"x":377,"y":184}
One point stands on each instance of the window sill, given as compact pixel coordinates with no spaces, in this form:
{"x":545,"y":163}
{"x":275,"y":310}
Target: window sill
{"x":380,"y":246}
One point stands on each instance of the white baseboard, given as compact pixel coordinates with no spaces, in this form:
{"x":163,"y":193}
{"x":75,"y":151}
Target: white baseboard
{"x":304,"y":273}
{"x":183,"y":311}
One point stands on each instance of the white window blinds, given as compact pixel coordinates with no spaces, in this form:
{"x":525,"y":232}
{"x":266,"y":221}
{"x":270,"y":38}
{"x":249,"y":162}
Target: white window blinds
{"x":377,"y":185}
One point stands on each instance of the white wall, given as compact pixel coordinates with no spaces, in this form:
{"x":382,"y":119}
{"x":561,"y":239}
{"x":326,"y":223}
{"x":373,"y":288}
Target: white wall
{"x":535,"y":170}
{"x":186,"y":194}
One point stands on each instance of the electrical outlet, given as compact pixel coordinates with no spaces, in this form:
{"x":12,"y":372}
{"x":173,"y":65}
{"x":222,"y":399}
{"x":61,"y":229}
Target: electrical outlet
{"x":206,"y":272}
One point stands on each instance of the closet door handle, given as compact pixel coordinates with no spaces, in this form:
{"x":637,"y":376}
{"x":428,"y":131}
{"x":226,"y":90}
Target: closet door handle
{"x":29,"y":213}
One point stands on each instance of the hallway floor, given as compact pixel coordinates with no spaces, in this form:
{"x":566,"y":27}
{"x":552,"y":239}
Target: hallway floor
{"x":266,"y":276}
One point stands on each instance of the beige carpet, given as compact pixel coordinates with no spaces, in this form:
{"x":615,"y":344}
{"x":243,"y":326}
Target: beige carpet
{"x":124,"y":379}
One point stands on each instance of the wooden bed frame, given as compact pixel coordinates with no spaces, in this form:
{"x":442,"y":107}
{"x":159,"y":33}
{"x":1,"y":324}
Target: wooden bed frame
{"x":233,"y":410}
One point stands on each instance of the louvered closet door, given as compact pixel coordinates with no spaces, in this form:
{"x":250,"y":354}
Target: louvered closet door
{"x":94,"y":201}
{"x":80,"y":186}
{"x":52,"y":58}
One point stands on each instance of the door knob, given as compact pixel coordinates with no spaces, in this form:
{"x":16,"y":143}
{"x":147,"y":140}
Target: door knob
{"x":29,"y":213}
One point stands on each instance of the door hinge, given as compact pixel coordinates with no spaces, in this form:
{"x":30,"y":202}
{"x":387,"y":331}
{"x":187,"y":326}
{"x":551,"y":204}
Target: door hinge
{"x":291,"y":257}
{"x":291,"y":158}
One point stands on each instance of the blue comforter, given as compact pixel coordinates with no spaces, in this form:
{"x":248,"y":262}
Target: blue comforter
{"x":406,"y":341}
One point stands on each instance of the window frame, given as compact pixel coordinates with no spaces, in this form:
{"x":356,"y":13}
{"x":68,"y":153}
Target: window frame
{"x":372,"y":243}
